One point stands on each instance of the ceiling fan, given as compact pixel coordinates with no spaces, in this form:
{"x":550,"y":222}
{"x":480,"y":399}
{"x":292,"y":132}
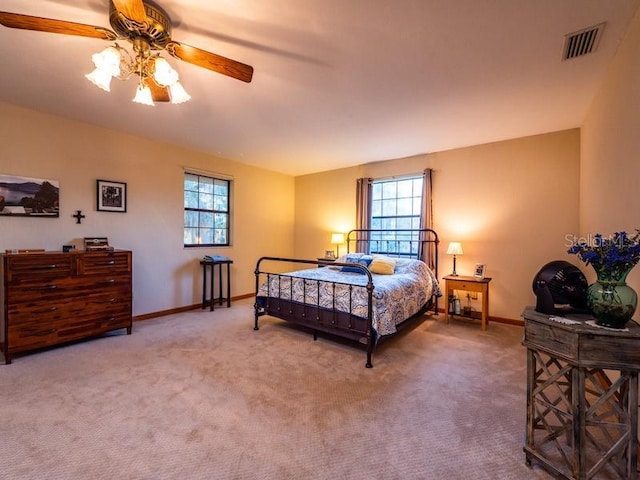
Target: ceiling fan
{"x":147,"y":27}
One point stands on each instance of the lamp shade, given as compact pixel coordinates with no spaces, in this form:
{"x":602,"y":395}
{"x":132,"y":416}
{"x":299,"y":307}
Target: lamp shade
{"x":337,"y":238}
{"x":454,"y":248}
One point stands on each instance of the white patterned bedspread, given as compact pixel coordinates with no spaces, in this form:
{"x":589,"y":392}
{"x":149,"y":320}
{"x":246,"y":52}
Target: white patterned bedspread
{"x":395,"y":297}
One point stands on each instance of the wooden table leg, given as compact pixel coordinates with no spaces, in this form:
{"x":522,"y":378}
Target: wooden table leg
{"x":204,"y":285}
{"x":212,"y":287}
{"x":228,"y":286}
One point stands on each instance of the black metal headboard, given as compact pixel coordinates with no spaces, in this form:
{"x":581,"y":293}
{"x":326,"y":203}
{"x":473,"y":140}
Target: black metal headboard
{"x":420,"y":243}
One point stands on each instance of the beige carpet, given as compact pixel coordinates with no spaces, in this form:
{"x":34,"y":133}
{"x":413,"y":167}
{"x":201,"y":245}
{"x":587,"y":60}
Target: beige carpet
{"x":200,"y":395}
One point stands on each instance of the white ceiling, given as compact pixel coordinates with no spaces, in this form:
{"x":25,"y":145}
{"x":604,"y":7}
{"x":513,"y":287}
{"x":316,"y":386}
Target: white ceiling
{"x":336,"y":82}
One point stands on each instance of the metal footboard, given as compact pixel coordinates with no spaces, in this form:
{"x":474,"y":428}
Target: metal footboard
{"x":315,"y":316}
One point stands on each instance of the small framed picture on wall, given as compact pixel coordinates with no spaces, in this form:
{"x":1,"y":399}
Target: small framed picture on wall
{"x":111,"y":196}
{"x":480,"y":270}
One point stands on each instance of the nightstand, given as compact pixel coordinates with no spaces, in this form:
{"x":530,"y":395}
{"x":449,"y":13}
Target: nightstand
{"x":324,"y":261}
{"x":468,"y":284}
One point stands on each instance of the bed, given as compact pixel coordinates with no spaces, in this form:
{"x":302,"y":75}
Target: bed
{"x":373,"y":290}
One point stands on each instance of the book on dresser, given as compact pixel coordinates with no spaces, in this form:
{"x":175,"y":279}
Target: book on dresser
{"x":50,"y":298}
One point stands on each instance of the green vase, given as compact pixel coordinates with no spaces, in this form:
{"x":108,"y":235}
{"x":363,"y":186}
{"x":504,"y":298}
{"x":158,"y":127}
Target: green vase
{"x":611,"y":301}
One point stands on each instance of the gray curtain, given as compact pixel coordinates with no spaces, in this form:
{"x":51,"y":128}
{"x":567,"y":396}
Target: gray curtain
{"x":363,"y":212}
{"x":426,"y":219}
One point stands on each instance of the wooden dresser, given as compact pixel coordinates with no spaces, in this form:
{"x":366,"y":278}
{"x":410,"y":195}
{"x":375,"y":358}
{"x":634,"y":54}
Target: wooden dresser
{"x":52,"y":297}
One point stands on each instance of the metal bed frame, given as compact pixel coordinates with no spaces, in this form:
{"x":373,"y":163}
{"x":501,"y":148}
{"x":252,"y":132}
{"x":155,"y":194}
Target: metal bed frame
{"x":403,"y":243}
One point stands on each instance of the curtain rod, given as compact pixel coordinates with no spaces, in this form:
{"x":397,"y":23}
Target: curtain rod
{"x":208,"y":173}
{"x":398,"y":177}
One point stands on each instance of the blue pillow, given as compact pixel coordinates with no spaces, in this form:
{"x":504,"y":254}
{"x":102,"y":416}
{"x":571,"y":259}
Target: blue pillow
{"x":357,"y":258}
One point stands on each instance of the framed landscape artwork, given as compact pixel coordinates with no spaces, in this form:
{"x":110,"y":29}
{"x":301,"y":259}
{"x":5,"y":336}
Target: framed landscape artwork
{"x":112,"y":196}
{"x":29,"y":197}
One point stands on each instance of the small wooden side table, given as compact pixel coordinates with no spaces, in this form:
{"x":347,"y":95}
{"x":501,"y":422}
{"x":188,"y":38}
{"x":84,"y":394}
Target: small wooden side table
{"x":211,"y":265}
{"x":582,"y":397}
{"x":468,"y":284}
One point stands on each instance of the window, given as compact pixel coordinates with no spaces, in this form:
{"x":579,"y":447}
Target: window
{"x":396,"y":204}
{"x":206,"y":211}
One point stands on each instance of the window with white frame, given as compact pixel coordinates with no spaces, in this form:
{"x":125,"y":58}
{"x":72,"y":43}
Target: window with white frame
{"x":206,"y":211}
{"x":396,"y":204}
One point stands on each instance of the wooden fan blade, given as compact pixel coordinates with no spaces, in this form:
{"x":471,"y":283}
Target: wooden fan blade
{"x":158,"y":93}
{"x":27,"y":22}
{"x":211,"y":61}
{"x":132,"y":9}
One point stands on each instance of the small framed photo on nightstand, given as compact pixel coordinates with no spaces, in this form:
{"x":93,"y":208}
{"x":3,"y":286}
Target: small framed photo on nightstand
{"x":480,"y":270}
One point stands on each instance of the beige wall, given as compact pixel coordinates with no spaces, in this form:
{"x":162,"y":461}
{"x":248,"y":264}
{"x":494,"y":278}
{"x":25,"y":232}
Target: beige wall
{"x":610,"y":164}
{"x":510,"y":203}
{"x":166,"y":275}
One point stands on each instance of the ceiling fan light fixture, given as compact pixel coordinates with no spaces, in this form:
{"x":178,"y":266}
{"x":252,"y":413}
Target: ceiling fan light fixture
{"x":178,"y":94}
{"x":164,"y":74}
{"x":100,"y":78}
{"x":147,"y":27}
{"x":143,"y":95}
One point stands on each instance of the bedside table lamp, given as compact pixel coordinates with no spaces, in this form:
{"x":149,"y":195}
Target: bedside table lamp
{"x":454,"y":248}
{"x":337,"y":239}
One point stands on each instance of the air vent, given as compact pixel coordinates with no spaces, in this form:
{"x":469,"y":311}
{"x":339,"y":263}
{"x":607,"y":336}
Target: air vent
{"x":583,"y":42}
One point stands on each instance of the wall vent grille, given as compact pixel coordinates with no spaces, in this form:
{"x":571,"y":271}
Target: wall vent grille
{"x":583,"y":42}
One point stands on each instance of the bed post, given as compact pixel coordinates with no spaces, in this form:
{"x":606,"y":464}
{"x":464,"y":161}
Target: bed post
{"x":434,"y":263}
{"x":255,"y":305}
{"x":371,"y":334}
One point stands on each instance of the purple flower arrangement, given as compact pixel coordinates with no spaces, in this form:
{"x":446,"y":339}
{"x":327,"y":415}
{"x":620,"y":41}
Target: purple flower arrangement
{"x":612,"y":256}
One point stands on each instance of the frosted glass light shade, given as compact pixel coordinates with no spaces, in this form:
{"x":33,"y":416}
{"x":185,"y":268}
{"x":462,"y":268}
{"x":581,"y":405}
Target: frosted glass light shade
{"x":164,"y":74}
{"x":100,"y":78}
{"x":143,"y":95}
{"x":108,"y":60}
{"x":178,"y":93}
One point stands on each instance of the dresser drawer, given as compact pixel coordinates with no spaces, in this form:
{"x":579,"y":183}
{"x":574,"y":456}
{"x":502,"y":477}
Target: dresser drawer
{"x":60,"y":289}
{"x":104,"y":263}
{"x":28,"y":336}
{"x":104,"y":303}
{"x":27,"y":267}
{"x":95,"y":324}
{"x":44,"y":309}
{"x":38,"y":312}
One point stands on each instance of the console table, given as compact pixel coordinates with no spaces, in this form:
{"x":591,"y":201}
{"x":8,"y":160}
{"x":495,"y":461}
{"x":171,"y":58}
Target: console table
{"x":211,"y":265}
{"x":582,"y":396}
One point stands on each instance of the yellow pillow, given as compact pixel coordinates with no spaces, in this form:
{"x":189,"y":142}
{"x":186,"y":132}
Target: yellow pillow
{"x":382,"y":265}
